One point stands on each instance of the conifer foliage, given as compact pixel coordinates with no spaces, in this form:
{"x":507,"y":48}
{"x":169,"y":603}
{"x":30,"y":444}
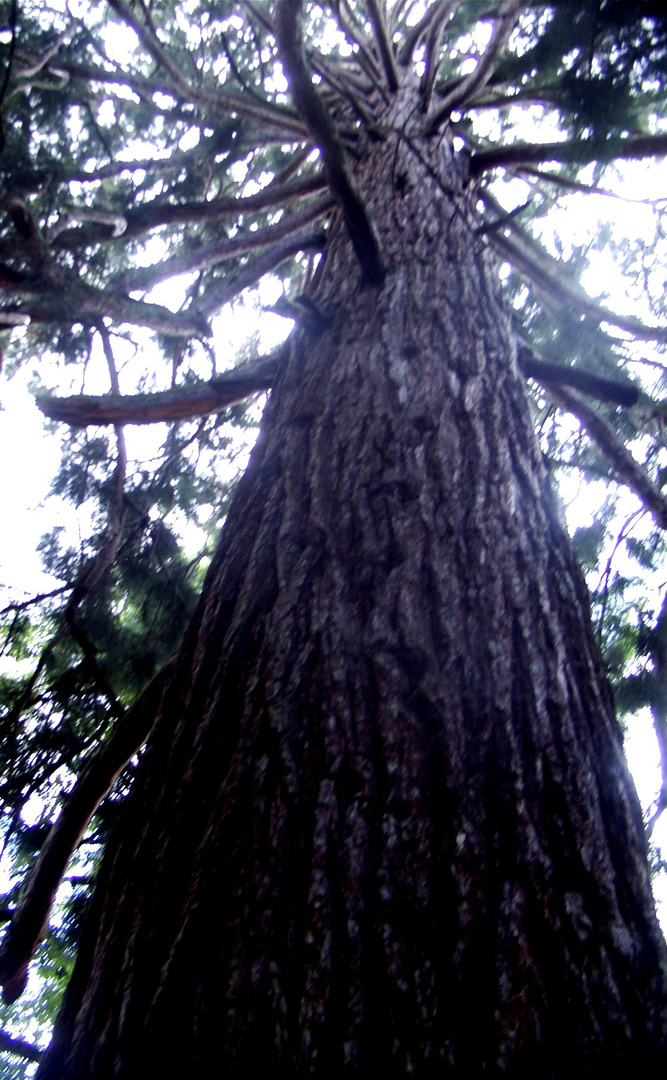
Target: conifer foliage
{"x":333,"y":177}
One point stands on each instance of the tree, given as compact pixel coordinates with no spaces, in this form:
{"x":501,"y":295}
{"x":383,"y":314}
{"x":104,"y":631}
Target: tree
{"x":383,"y":818}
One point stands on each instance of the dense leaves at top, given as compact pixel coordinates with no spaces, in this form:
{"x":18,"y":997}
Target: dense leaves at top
{"x":165,"y":189}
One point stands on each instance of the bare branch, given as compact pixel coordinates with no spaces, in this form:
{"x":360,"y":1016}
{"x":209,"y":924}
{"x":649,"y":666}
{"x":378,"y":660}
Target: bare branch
{"x":546,"y":275}
{"x":620,"y":458}
{"x":222,"y":101}
{"x":356,"y":36}
{"x":310,"y":107}
{"x":577,"y":151}
{"x":584,"y":189}
{"x":88,"y":306}
{"x":548,"y":375}
{"x":146,"y":276}
{"x":384,"y":44}
{"x":344,"y":87}
{"x":431,"y":50}
{"x":140,"y":219}
{"x":415,"y":33}
{"x":218,"y":295}
{"x":181,"y":403}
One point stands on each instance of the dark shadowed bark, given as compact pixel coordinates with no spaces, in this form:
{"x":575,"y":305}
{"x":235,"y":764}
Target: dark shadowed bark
{"x":383,"y":824}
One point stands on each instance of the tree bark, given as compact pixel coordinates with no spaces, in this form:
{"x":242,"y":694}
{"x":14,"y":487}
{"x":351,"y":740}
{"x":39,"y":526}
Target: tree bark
{"x":384,"y":822}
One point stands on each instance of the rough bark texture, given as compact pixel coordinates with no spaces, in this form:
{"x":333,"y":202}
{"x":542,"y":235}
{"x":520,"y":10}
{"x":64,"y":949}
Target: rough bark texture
{"x":384,"y":824}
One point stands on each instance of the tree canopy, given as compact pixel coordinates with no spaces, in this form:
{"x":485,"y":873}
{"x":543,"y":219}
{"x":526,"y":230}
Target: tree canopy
{"x":168,"y":176}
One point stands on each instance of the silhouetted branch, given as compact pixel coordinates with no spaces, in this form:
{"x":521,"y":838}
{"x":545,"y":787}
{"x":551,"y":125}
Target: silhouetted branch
{"x":548,"y":374}
{"x":145,"y":277}
{"x":444,"y":12}
{"x":414,"y":34}
{"x":88,"y":306}
{"x":463,"y":91}
{"x":152,"y":215}
{"x":578,"y":151}
{"x":220,"y":294}
{"x":547,"y":276}
{"x":385,"y":47}
{"x":10,"y":1044}
{"x":222,"y":101}
{"x":32,"y":914}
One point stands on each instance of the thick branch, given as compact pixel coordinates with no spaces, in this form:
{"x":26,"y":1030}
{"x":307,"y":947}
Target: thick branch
{"x":310,"y":107}
{"x":414,"y":34}
{"x":548,"y":374}
{"x":183,"y":403}
{"x":89,"y":306}
{"x":445,"y":11}
{"x":355,"y":34}
{"x":32,"y":914}
{"x":344,"y":87}
{"x":580,"y":151}
{"x":141,"y":218}
{"x":385,"y":48}
{"x":218,"y":295}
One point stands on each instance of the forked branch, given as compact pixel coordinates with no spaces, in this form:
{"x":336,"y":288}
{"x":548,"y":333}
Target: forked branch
{"x":463,"y":91}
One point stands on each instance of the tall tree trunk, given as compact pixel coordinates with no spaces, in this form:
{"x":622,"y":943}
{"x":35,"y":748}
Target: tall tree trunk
{"x":384,"y":820}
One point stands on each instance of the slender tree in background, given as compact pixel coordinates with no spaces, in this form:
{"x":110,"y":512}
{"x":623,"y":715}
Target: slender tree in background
{"x":382,"y":820}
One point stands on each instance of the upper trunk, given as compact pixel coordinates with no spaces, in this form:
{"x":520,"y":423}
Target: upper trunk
{"x":384,"y":820}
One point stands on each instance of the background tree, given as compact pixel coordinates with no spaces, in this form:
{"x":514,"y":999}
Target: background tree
{"x":418,"y":840}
